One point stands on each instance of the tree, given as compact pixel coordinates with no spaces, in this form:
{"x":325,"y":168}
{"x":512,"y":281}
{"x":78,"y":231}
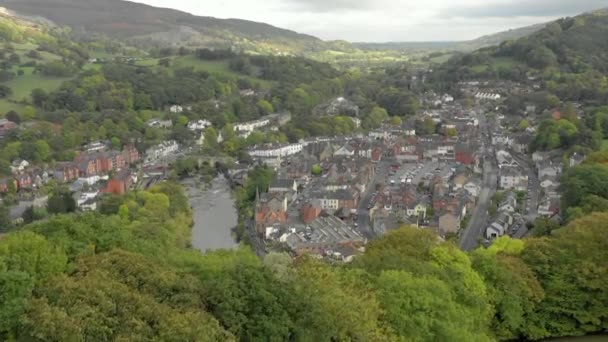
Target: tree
{"x":5,"y":91}
{"x":523,"y":124}
{"x":265,"y":107}
{"x":61,"y":202}
{"x":5,"y":217}
{"x":13,"y":117}
{"x":395,"y":121}
{"x":211,"y":138}
{"x":164,"y":62}
{"x":316,"y":170}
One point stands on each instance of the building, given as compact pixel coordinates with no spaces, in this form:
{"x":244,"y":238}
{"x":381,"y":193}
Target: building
{"x":19,"y":165}
{"x":512,"y":178}
{"x":161,"y":151}
{"x":508,"y":203}
{"x":6,"y":126}
{"x":283,"y":185}
{"x":276,"y":150}
{"x":119,"y":184}
{"x":199,"y":125}
{"x":159,"y":123}
{"x":251,"y":125}
{"x":66,"y":172}
{"x":487,"y":96}
{"x":548,"y":169}
{"x":176,"y":109}
{"x":130,"y":154}
{"x":576,"y":159}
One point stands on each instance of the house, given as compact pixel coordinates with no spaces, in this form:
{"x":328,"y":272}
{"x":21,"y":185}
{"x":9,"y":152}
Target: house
{"x":283,"y":185}
{"x":251,"y":125}
{"x":19,"y":165}
{"x":310,"y":212}
{"x":472,"y":188}
{"x":548,"y":181}
{"x":549,"y":207}
{"x":494,"y":231}
{"x":345,"y":151}
{"x":65,"y":172}
{"x":465,"y":154}
{"x":5,"y":184}
{"x":176,"y":109}
{"x":159,"y":123}
{"x":487,"y":96}
{"x":275,"y":150}
{"x":522,"y":142}
{"x":6,"y":126}
{"x":334,"y":200}
{"x":576,"y":159}
{"x":508,"y":203}
{"x":512,"y":178}
{"x":548,"y":169}
{"x":199,"y":125}
{"x":270,"y":210}
{"x":502,"y":139}
{"x":119,"y":184}
{"x":23,"y":181}
{"x":130,"y":154}
{"x":95,"y":146}
{"x":161,"y":151}
{"x":449,"y":223}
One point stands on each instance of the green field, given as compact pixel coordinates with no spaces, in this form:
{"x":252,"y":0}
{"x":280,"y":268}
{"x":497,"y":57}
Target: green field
{"x":221,"y":66}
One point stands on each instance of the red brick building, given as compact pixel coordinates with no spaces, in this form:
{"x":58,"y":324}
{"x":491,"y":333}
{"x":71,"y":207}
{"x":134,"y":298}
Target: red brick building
{"x":120,"y":184}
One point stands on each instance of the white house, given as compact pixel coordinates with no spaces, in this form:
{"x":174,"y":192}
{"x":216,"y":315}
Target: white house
{"x":199,"y":125}
{"x":158,"y":123}
{"x":162,"y":150}
{"x":19,"y":165}
{"x":487,"y":96}
{"x":513,"y":178}
{"x":251,"y":125}
{"x":345,"y":151}
{"x":269,"y":151}
{"x":447,"y":98}
{"x":472,"y":188}
{"x":176,"y":109}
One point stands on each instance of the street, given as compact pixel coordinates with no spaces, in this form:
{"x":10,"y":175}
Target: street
{"x":469,"y":239}
{"x":364,"y":225}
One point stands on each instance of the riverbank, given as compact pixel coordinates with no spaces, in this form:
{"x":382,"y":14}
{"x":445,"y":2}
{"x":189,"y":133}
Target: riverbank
{"x":214,"y":214}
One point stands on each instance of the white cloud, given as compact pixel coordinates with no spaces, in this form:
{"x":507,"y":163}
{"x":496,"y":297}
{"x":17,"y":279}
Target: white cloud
{"x":389,"y":20}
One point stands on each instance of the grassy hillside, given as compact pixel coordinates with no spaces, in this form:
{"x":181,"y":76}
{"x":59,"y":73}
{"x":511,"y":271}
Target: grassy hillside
{"x":19,"y":38}
{"x":128,"y":20}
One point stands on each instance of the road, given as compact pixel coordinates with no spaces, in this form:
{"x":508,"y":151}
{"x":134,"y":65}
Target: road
{"x":363,"y":222}
{"x":469,"y":238}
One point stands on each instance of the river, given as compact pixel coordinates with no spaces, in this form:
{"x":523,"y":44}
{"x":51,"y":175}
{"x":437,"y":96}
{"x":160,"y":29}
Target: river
{"x":214,"y":214}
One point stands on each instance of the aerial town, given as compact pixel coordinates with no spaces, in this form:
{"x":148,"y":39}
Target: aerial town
{"x":472,"y":180}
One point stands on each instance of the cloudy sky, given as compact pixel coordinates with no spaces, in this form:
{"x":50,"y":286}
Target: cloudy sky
{"x":389,"y":20}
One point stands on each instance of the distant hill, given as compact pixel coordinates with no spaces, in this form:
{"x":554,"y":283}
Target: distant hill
{"x":129,"y":20}
{"x":469,"y":45}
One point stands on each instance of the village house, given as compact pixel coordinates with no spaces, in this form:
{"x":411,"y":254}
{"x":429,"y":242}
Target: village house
{"x":270,"y":209}
{"x":6,"y":126}
{"x":159,"y":123}
{"x":512,"y":178}
{"x":251,"y":125}
{"x":275,"y":150}
{"x":283,"y":186}
{"x":5,"y":184}
{"x":130,"y":154}
{"x":199,"y":125}
{"x":23,"y":181}
{"x":65,"y":172}
{"x":576,"y":159}
{"x":19,"y":165}
{"x":548,"y":169}
{"x":161,"y":151}
{"x":119,"y":184}
{"x":508,"y":203}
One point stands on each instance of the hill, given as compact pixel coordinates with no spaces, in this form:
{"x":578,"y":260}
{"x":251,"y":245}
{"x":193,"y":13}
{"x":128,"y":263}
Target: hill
{"x":468,"y":45}
{"x":568,"y":57}
{"x":143,"y":23}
